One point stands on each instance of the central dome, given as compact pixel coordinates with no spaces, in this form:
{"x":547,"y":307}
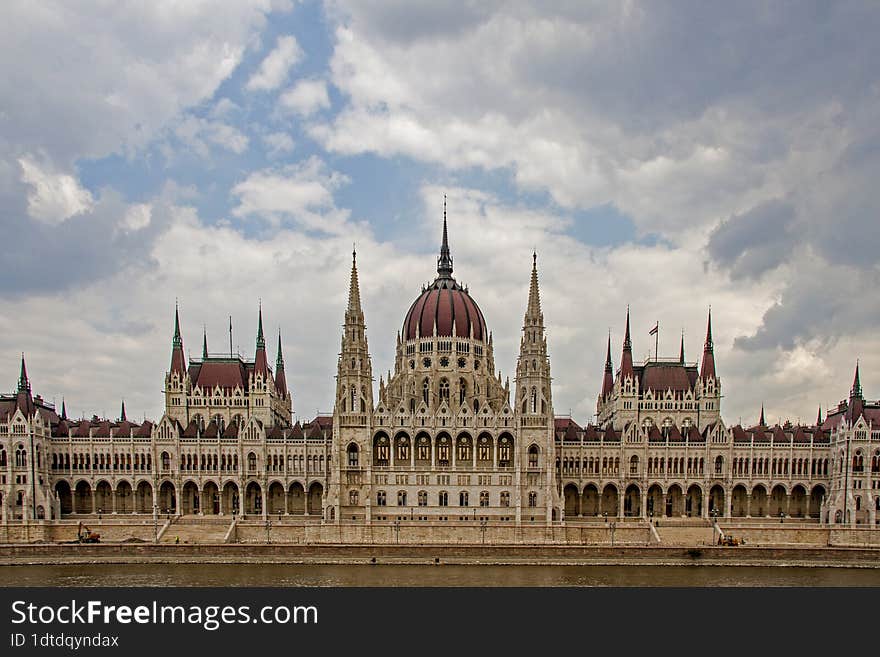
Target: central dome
{"x":445,"y":305}
{"x":448,"y":306}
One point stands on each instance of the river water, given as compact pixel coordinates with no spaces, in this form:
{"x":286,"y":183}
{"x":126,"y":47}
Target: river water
{"x":428,"y":575}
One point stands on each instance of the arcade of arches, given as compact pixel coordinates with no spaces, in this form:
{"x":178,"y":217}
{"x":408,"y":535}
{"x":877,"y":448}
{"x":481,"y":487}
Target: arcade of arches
{"x":190,"y":499}
{"x":674,"y":501}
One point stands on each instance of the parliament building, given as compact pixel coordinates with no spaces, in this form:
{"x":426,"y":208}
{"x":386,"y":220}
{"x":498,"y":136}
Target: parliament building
{"x":444,"y":439}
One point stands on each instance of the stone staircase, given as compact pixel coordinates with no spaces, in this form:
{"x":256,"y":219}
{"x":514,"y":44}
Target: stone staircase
{"x":197,"y":529}
{"x":686,"y":535}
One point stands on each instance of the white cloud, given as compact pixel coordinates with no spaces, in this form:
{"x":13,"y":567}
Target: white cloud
{"x":199,"y":134}
{"x":53,"y":196}
{"x":274,"y":69}
{"x":305,"y":98}
{"x":99,"y":82}
{"x":137,"y":217}
{"x":278,"y":143}
{"x":301,"y":192}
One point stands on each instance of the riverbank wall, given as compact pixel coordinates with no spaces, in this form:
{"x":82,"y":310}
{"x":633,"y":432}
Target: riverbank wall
{"x":218,"y":531}
{"x":477,"y":554}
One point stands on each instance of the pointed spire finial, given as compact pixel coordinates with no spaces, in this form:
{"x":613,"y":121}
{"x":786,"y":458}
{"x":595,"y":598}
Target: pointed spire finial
{"x":279,"y":360}
{"x":608,"y":354}
{"x":819,"y":418}
{"x":261,"y":341}
{"x":354,"y":291}
{"x":122,"y":417}
{"x":762,"y":422}
{"x":857,"y":384}
{"x":63,"y":409}
{"x":444,"y":262}
{"x":178,"y":341}
{"x":707,"y":367}
{"x":710,"y":346}
{"x":626,"y":360}
{"x":681,"y":353}
{"x":23,"y":384}
{"x":533,"y":310}
{"x":204,"y":342}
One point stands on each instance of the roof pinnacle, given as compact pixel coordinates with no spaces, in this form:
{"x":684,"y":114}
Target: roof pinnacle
{"x":444,"y":262}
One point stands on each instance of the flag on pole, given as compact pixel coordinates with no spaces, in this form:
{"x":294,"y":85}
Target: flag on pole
{"x":655,"y":329}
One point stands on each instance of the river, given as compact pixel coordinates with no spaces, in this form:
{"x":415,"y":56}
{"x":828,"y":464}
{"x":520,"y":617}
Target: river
{"x":429,"y":575}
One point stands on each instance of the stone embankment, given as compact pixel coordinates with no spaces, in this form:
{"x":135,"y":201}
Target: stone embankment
{"x":218,"y":539}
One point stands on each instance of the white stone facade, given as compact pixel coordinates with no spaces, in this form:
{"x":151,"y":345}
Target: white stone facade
{"x":443,"y":441}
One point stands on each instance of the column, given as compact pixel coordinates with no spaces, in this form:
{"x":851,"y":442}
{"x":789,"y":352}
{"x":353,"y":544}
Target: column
{"x":643,"y":512}
{"x":621,"y":497}
{"x":728,"y":503}
{"x":113,"y":501}
{"x":748,"y":505}
{"x":94,"y":493}
{"x":662,"y":513}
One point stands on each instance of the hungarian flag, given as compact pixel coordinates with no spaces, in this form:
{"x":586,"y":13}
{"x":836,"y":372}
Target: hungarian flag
{"x":655,"y":329}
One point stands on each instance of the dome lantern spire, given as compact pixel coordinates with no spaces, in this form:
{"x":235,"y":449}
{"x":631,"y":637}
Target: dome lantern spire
{"x":444,"y":262}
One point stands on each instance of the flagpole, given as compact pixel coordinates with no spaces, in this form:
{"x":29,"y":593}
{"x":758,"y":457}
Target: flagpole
{"x":230,"y":336}
{"x":657,"y":341}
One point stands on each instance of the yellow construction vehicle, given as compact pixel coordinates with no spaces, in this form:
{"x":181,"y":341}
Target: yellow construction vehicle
{"x":86,"y":535}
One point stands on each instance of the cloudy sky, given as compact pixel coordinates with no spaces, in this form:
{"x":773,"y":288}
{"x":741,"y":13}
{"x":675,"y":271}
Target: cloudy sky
{"x":670,"y":156}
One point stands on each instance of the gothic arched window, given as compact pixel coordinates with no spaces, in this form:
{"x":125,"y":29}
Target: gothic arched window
{"x":534,"y":400}
{"x":426,"y":391}
{"x":444,"y":391}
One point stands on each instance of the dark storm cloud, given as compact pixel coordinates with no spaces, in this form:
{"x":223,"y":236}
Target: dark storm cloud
{"x":47,"y":259}
{"x":756,"y":241}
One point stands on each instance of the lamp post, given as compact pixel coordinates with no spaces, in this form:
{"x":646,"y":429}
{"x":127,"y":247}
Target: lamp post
{"x":483,"y":523}
{"x":156,"y":522}
{"x":714,"y":524}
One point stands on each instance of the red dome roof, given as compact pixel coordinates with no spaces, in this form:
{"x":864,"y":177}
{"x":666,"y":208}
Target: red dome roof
{"x":447,"y":304}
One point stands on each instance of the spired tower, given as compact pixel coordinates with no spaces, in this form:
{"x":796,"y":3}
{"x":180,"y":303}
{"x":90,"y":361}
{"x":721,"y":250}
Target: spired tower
{"x":352,"y":414}
{"x":535,"y":444}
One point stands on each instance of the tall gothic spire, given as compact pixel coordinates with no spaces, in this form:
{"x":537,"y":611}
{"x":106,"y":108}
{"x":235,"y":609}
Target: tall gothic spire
{"x":856,"y":391}
{"x":707,"y":368}
{"x":261,"y":364}
{"x":63,"y":409}
{"x":122,"y":417}
{"x":626,"y":360}
{"x":280,"y":378}
{"x":24,"y":385}
{"x":178,"y":360}
{"x":608,"y":378}
{"x":681,"y":353}
{"x":177,"y":341}
{"x":205,"y":343}
{"x":354,"y":290}
{"x":762,"y":422}
{"x":533,"y":310}
{"x":261,"y":341}
{"x":444,"y":262}
{"x":856,"y":400}
{"x":819,"y":417}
